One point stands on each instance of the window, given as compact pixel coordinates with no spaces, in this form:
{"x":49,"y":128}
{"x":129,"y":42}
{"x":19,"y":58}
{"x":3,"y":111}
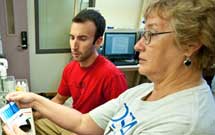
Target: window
{"x":53,"y":19}
{"x":52,"y":22}
{"x":10,"y":17}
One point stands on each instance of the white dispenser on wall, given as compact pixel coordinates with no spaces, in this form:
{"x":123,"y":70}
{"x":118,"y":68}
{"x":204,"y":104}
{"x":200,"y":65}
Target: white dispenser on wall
{"x":3,"y":67}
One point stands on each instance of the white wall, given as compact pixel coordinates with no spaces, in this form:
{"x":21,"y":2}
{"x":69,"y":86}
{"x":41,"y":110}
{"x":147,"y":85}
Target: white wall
{"x":120,"y":13}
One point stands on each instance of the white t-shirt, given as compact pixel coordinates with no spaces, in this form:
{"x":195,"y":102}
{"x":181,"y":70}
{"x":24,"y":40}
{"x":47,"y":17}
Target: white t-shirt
{"x":188,"y":112}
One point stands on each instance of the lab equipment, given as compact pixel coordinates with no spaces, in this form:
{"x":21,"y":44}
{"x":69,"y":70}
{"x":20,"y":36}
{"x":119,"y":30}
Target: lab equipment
{"x":3,"y":76}
{"x":7,"y":83}
{"x":21,"y":85}
{"x":3,"y":83}
{"x":12,"y":115}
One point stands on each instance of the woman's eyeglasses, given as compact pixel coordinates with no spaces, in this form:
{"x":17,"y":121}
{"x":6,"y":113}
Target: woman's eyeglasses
{"x":147,"y":35}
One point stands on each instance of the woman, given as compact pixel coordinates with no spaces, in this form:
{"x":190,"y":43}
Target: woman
{"x":177,"y":44}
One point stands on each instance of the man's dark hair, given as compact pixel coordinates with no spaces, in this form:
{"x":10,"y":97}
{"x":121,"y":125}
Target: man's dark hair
{"x":95,"y":17}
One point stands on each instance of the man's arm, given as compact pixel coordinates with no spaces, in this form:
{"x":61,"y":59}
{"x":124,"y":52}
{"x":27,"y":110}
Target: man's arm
{"x":59,"y":99}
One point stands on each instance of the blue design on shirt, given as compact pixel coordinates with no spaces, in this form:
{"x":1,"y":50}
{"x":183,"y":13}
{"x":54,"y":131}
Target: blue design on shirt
{"x":121,"y":124}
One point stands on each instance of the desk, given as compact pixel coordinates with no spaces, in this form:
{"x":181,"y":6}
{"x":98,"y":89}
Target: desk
{"x":132,"y":74}
{"x":128,"y":67}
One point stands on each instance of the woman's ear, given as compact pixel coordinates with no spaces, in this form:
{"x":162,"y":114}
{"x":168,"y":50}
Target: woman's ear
{"x":192,"y":48}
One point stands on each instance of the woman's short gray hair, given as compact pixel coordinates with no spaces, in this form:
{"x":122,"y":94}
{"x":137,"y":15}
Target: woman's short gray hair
{"x":192,"y":20}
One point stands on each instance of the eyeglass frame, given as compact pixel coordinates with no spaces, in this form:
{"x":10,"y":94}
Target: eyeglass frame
{"x":152,"y":34}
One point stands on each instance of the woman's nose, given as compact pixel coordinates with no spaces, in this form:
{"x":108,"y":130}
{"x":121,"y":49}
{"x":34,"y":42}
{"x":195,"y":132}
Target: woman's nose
{"x":139,"y":46}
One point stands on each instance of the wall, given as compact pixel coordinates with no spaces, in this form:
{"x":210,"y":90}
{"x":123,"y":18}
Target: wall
{"x":120,"y":13}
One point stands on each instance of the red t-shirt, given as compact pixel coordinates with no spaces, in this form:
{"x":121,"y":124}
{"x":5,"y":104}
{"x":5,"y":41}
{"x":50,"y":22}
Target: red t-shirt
{"x":92,"y":86}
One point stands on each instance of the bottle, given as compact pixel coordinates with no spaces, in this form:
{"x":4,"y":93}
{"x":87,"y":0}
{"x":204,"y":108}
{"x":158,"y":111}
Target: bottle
{"x":24,"y":86}
{"x":18,"y":86}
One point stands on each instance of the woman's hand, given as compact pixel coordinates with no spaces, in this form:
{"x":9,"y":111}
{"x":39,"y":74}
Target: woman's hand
{"x":23,"y":99}
{"x":16,"y":131}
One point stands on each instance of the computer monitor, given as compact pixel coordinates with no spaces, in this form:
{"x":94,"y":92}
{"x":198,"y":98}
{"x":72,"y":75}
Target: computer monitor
{"x":119,"y":45}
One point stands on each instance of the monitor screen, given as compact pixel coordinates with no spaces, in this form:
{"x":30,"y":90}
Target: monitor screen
{"x":119,"y":45}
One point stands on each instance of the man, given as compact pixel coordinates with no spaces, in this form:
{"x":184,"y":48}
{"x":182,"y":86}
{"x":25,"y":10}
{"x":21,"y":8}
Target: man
{"x":90,"y":79}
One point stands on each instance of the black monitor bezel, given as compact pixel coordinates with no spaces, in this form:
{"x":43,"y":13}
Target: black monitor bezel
{"x":119,"y":56}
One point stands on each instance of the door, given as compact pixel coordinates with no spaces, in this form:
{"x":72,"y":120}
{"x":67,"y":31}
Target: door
{"x":13,"y":23}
